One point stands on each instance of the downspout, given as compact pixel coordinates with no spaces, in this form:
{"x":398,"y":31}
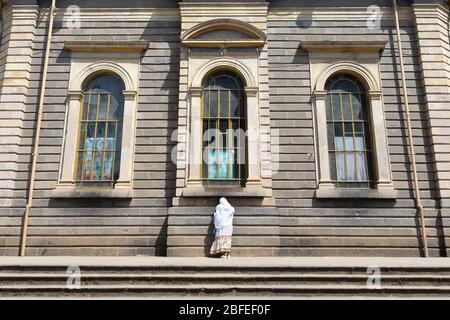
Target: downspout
{"x":412,"y":152}
{"x":23,"y":240}
{"x":1,"y":19}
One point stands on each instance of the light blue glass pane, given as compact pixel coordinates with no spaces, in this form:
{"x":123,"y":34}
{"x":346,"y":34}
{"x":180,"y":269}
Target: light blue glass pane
{"x":339,"y":143}
{"x":359,"y":143}
{"x":336,"y":101}
{"x":346,"y":107}
{"x":103,"y":106}
{"x":213,"y":103}
{"x":223,"y":164}
{"x":212,"y":167}
{"x":93,"y":103}
{"x":224,"y":104}
{"x":357,"y":110}
{"x":349,"y":144}
{"x":234,"y":96}
{"x":340,"y":164}
{"x":362,"y":168}
{"x":351,"y":166}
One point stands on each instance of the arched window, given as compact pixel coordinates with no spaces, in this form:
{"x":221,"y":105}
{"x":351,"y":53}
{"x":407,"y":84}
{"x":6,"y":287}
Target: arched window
{"x":349,"y":133}
{"x":224,"y":124}
{"x":100,"y":132}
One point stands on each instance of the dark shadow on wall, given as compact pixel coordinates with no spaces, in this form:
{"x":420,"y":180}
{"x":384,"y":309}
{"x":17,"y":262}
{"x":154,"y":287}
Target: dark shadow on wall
{"x":209,"y":238}
{"x":167,"y":39}
{"x":161,"y":240}
{"x":424,"y":128}
{"x":170,"y":87}
{"x":440,"y":233}
{"x":304,"y":20}
{"x":403,"y":132}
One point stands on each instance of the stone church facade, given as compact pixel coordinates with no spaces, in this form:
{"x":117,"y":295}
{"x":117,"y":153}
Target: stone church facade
{"x":294,"y":110}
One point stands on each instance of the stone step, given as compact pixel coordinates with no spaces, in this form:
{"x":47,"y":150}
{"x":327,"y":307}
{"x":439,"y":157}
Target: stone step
{"x":224,"y":268}
{"x":206,"y":289}
{"x":209,"y":278}
{"x":220,"y":277}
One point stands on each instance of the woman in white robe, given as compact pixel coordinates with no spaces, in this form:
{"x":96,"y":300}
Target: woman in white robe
{"x":223,"y":229}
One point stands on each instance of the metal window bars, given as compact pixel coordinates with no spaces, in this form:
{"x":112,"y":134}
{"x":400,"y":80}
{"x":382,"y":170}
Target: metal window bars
{"x":349,"y":133}
{"x":98,"y":149}
{"x":224,"y":124}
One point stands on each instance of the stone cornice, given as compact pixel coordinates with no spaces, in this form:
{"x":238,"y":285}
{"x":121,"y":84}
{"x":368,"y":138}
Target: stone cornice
{"x":334,"y":13}
{"x":342,"y":45}
{"x":223,"y":43}
{"x":117,"y":45}
{"x":431,"y":11}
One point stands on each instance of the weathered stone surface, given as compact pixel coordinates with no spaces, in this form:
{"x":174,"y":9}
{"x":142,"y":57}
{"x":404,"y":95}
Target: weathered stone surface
{"x":155,"y":221}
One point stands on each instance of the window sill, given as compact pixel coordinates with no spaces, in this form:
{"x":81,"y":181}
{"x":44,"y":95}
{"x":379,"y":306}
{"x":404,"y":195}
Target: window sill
{"x":250,"y":192}
{"x":388,"y":194}
{"x":65,"y":193}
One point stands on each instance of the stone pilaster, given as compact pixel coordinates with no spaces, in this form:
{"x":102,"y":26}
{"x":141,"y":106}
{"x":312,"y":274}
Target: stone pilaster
{"x":433,"y":42}
{"x":16,"y":54}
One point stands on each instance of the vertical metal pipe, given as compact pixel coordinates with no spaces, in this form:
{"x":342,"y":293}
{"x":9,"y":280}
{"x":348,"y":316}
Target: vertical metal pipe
{"x":1,"y":19}
{"x":410,"y":135}
{"x":23,"y":240}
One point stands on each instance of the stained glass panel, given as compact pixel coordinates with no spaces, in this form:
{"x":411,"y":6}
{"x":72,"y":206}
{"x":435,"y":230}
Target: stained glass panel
{"x":100,"y":133}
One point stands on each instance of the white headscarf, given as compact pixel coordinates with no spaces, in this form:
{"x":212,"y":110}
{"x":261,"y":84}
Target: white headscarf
{"x":223,"y":217}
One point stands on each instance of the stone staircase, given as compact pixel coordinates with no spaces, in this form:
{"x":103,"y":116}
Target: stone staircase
{"x":193,"y":278}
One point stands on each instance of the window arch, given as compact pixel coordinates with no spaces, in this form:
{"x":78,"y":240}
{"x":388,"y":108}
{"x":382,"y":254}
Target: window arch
{"x":349,"y":133}
{"x":224,"y":125}
{"x":100,"y":132}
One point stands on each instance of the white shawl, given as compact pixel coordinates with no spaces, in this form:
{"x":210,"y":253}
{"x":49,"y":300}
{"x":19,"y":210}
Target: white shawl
{"x":223,"y":217}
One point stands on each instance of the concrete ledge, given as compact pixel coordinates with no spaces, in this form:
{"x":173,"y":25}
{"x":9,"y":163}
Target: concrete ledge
{"x":208,"y":211}
{"x":233,"y":262}
{"x":200,"y":191}
{"x":387,"y":194}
